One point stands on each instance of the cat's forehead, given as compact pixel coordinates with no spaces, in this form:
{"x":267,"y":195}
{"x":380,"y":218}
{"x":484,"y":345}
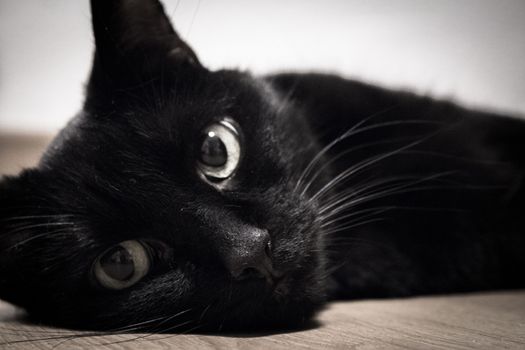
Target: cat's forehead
{"x":170,"y":103}
{"x":158,"y":128}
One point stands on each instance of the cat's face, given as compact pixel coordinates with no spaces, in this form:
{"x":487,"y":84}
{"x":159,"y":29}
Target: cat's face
{"x":170,"y":200}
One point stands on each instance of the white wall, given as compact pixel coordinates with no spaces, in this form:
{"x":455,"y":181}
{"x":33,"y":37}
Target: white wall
{"x":472,"y":50}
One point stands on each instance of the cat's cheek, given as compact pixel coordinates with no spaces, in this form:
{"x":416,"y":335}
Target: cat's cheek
{"x":297,"y":245}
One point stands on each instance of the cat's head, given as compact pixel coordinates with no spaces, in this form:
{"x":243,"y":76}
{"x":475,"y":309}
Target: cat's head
{"x":171,"y":200}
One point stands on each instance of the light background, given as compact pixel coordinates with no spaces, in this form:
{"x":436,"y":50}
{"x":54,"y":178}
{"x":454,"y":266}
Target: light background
{"x":469,"y":50}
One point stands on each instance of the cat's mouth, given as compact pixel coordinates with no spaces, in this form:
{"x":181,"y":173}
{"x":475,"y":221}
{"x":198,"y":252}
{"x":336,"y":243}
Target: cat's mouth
{"x":281,"y":282}
{"x":281,"y":288}
{"x":289,"y":300}
{"x":274,"y":280}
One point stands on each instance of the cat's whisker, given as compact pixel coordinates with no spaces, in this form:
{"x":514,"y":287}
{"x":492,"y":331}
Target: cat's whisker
{"x":343,"y":176}
{"x":368,"y":188}
{"x":325,"y":149}
{"x":408,"y":208}
{"x":32,"y":217}
{"x":362,"y":188}
{"x":457,"y":158}
{"x":331,"y":270}
{"x":17,"y":331}
{"x":352,"y":240}
{"x":157,"y":331}
{"x":352,"y":132}
{"x":66,"y":336}
{"x":448,"y":156}
{"x":323,"y":219}
{"x":382,"y":194}
{"x":144,"y":336}
{"x":336,"y":207}
{"x":347,"y":227}
{"x":346,"y":152}
{"x":139,"y":326}
{"x":54,"y":338}
{"x":174,"y":335}
{"x":347,"y":223}
{"x":359,"y":213}
{"x":32,"y":208}
{"x":57,"y":334}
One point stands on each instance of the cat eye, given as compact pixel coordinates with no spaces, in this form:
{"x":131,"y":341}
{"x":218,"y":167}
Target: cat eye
{"x":220,"y":150}
{"x":122,"y":265}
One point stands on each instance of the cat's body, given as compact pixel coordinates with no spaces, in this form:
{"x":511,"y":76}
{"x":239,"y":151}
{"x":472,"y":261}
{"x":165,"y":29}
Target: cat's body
{"x":182,"y":198}
{"x":458,"y":226}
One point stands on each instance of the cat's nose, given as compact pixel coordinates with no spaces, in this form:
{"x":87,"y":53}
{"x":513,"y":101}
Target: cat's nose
{"x":252,"y":257}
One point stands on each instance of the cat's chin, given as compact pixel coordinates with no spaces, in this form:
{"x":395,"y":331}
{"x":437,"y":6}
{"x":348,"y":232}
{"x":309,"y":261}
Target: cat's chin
{"x":270,"y":313}
{"x":278,"y":317}
{"x":289,"y":303}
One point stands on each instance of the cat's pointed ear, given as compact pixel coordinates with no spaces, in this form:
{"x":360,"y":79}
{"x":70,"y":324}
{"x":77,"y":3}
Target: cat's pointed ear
{"x":135,"y":38}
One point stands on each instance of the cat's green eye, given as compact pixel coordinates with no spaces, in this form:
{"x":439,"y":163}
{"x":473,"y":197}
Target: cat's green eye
{"x":122,"y":265}
{"x":220,"y":150}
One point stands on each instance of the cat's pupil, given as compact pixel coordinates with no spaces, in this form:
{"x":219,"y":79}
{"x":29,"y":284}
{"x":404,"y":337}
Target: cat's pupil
{"x":213,"y":150}
{"x":118,"y":264}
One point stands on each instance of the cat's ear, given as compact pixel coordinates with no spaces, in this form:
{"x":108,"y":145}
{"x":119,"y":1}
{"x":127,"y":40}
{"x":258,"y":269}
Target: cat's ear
{"x":134,"y":39}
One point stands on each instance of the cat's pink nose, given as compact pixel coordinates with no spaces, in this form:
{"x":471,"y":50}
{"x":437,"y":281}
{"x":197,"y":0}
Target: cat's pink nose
{"x":251,"y":258}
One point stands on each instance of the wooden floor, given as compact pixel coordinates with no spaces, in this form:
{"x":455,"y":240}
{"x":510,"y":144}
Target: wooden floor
{"x":480,"y":321}
{"x":477,"y":321}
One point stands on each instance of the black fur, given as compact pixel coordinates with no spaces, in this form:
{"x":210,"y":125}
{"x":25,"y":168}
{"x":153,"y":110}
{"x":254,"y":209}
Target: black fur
{"x":432,"y":200}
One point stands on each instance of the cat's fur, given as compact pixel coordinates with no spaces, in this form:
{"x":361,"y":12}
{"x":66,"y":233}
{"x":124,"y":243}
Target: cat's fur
{"x":431,"y":199}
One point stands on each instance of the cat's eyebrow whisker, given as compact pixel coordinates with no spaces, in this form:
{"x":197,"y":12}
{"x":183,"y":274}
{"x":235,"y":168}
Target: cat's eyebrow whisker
{"x":65,"y":232}
{"x":286,"y":99}
{"x":47,"y":224}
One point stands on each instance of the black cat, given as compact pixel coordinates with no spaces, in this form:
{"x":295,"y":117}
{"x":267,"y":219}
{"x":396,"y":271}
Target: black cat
{"x":182,"y":198}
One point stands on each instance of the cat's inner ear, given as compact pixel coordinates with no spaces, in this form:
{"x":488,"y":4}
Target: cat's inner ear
{"x":136,"y":34}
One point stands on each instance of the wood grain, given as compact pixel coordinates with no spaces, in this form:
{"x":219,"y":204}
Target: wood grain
{"x":477,"y":321}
